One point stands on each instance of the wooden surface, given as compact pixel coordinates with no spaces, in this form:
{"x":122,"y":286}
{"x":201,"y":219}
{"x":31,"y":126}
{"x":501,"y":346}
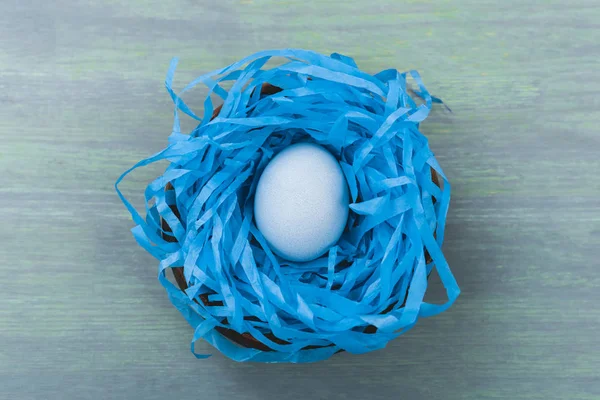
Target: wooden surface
{"x":82,"y":98}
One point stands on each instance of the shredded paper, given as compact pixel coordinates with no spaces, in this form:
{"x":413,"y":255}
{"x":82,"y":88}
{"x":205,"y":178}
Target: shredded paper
{"x":369,"y":288}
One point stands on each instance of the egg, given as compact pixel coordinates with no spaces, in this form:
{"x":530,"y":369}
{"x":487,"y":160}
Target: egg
{"x":301,"y":202}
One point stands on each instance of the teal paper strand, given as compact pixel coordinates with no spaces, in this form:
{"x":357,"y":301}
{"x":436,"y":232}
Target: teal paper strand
{"x":376,"y":275}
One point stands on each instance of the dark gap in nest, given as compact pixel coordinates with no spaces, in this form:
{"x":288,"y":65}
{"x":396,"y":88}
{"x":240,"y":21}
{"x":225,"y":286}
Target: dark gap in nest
{"x":342,"y":265}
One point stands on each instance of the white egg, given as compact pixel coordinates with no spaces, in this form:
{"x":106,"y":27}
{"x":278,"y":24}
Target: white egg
{"x":301,"y":202}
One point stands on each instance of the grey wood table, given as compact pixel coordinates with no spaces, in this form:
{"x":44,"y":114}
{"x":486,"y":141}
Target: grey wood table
{"x":82,"y":98}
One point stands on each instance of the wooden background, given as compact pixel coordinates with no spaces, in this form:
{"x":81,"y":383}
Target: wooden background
{"x":82,"y":98}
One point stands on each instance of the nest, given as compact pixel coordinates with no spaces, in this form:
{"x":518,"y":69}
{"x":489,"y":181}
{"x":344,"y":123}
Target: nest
{"x":369,"y":288}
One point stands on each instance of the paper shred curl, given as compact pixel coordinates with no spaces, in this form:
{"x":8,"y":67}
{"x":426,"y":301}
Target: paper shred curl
{"x":369,"y":288}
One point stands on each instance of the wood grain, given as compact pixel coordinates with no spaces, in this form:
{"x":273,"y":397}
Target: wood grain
{"x":82,"y":99}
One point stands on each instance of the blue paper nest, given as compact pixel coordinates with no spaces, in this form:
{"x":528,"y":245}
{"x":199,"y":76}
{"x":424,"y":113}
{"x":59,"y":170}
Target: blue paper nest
{"x":369,"y":288}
